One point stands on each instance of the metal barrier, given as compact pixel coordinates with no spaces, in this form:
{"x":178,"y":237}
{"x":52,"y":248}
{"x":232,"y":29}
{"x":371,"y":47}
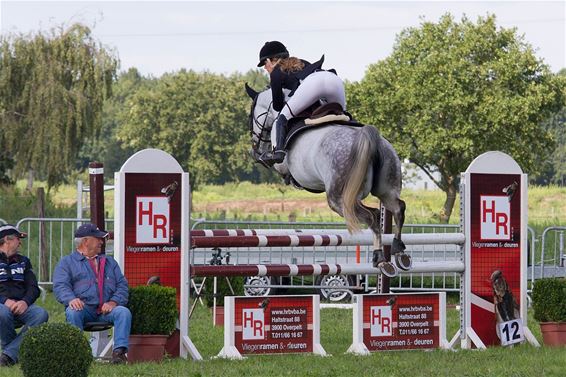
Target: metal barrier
{"x":552,"y":253}
{"x":49,"y":239}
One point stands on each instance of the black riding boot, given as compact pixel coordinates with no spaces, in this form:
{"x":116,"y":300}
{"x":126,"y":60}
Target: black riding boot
{"x":278,"y":155}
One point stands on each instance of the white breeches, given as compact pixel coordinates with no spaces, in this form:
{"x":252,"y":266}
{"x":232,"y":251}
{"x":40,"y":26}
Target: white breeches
{"x":321,"y":85}
{"x":318,"y":86}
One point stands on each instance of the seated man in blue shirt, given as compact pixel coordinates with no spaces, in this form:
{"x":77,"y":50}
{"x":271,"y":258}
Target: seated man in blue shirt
{"x":18,"y":292}
{"x":92,"y":288}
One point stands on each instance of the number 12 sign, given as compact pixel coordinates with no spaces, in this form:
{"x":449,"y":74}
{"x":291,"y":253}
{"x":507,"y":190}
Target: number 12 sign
{"x":511,"y":332}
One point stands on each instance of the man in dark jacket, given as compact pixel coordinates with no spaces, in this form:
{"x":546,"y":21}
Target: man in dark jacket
{"x":92,"y":288}
{"x":18,"y":292}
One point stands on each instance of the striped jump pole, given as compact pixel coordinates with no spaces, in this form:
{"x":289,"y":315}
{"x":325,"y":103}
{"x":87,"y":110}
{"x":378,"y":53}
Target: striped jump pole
{"x":338,"y":239}
{"x":316,"y":269}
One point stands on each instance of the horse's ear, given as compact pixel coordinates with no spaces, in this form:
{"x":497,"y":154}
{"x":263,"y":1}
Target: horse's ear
{"x":252,"y":93}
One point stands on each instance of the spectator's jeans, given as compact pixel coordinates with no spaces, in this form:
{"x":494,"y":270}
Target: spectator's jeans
{"x":120,"y":317}
{"x":10,"y":339}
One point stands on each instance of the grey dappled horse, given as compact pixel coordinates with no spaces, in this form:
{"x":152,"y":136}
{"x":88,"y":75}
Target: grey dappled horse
{"x":341,"y":161}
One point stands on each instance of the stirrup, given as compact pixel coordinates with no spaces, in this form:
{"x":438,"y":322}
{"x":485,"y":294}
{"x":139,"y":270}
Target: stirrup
{"x":279,"y":156}
{"x":275,"y":157}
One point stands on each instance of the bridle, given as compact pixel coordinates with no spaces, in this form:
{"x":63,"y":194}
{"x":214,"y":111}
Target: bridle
{"x":264,"y":134}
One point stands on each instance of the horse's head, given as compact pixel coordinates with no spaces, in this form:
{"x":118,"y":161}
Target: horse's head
{"x":262,"y":117}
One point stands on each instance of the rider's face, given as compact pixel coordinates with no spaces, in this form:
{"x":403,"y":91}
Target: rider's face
{"x":269,"y":64}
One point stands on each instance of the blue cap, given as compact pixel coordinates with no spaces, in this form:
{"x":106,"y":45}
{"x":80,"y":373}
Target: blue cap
{"x":90,"y":230}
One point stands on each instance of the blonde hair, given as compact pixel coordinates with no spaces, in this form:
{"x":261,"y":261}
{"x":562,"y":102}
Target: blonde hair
{"x":290,"y":65}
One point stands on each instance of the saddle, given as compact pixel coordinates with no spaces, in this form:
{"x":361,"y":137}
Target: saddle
{"x":329,"y":112}
{"x":323,"y":115}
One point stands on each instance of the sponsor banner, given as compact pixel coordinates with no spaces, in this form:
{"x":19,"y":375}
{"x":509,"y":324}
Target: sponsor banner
{"x":152,"y":220}
{"x":495,"y":238}
{"x":274,"y":324}
{"x":402,"y":321}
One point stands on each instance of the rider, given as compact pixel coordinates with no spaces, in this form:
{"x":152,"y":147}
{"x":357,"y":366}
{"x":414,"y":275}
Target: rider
{"x":308,"y":84}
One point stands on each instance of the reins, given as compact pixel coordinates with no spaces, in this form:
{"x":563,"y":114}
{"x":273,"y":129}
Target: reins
{"x":264,"y":133}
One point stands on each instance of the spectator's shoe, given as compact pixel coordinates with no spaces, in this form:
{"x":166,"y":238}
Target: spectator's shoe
{"x":119,"y":356}
{"x":6,"y":361}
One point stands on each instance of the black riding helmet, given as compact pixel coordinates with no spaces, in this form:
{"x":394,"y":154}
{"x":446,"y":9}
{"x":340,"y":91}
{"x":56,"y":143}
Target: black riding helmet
{"x":273,"y":49}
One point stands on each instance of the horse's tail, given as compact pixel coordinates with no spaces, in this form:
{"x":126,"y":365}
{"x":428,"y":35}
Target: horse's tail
{"x":363,"y":154}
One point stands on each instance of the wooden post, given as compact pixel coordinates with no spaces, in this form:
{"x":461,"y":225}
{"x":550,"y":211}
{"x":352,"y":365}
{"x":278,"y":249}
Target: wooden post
{"x":96,"y":181}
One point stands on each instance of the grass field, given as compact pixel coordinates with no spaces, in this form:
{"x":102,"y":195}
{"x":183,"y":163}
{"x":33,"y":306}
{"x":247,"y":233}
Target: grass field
{"x":336,"y":336}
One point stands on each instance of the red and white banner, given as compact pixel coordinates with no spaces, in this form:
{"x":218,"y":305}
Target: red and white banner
{"x":271,"y":324}
{"x":494,"y":194}
{"x":404,"y":321}
{"x":152,"y":220}
{"x":495,"y":238}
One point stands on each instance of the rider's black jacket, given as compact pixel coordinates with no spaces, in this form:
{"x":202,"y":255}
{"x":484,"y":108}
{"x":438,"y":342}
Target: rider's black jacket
{"x":282,"y":80}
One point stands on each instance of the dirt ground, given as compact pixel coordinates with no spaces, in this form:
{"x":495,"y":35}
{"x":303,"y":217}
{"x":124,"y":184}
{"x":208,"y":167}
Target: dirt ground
{"x":259,"y":206}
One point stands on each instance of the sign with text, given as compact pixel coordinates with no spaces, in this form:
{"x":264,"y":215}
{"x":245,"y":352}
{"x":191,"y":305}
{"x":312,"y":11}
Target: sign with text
{"x":495,"y":239}
{"x":271,"y":324}
{"x":399,"y":321}
{"x":152,"y":220}
{"x":495,"y":217}
{"x":152,"y":229}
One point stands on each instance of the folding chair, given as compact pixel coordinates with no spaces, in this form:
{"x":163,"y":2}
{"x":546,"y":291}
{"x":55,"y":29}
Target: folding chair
{"x":100,"y":340}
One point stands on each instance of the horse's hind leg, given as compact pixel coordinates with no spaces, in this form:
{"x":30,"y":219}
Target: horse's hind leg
{"x":397,"y":208}
{"x":371,"y":217}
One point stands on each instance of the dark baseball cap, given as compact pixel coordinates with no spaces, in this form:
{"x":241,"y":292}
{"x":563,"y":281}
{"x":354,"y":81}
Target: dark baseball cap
{"x":9,"y":229}
{"x":90,"y":230}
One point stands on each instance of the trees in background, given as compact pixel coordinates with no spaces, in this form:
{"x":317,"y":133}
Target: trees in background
{"x":453,"y":90}
{"x":106,"y":147}
{"x":555,"y":167}
{"x":448,"y":92}
{"x":52,"y":89}
{"x":199,"y":118}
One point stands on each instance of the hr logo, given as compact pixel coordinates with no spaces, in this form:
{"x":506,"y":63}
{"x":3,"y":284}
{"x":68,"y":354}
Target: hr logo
{"x":380,"y":321}
{"x":495,"y":218}
{"x":152,"y":219}
{"x":253,"y":324}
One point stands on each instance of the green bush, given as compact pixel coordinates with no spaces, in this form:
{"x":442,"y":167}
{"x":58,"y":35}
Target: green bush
{"x":549,"y":300}
{"x":223,"y":289}
{"x":55,"y":350}
{"x":154,"y":310}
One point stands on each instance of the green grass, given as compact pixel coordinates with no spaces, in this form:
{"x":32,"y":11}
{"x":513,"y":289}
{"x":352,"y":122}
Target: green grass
{"x":336,"y":336}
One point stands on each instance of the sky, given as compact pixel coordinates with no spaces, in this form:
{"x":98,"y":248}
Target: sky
{"x":224,"y":37}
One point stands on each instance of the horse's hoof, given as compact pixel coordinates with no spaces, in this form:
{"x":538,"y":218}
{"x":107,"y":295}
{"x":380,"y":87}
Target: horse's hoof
{"x":378,"y":258}
{"x":403,"y":261}
{"x":397,"y":246}
{"x":388,"y":269}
